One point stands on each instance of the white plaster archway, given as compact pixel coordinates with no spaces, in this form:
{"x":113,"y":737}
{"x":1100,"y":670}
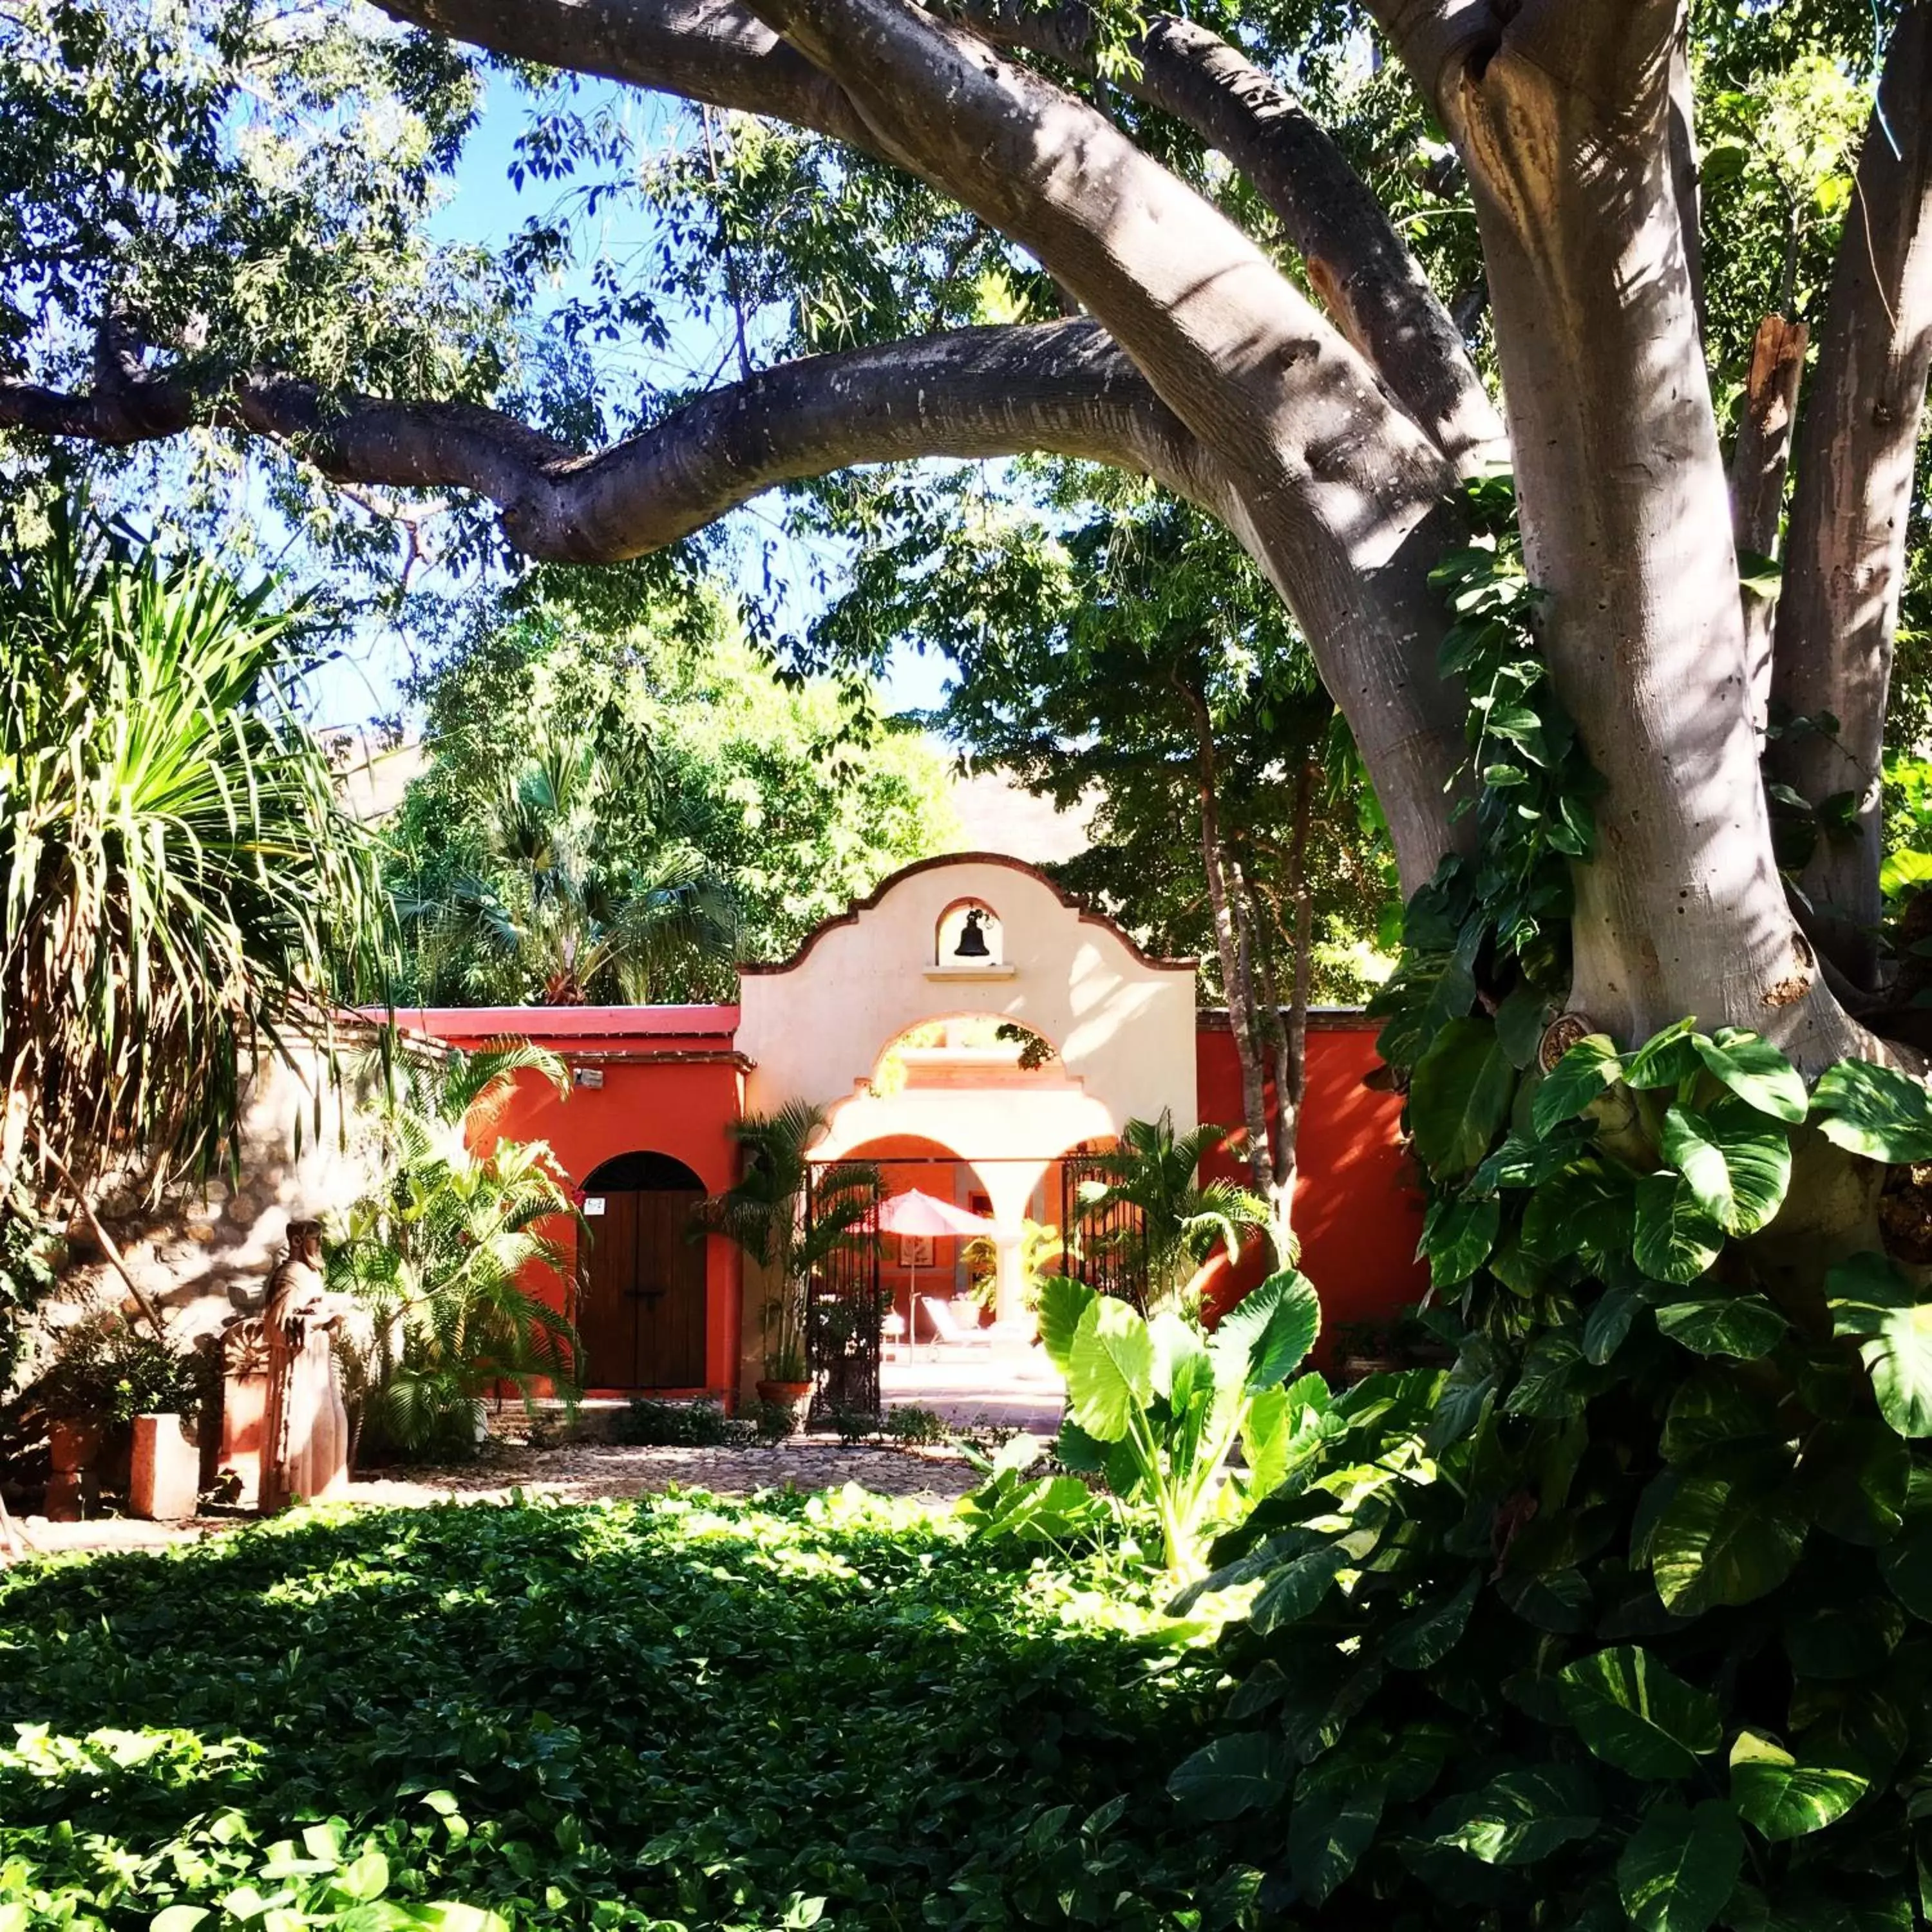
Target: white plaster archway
{"x":1122,"y":1023}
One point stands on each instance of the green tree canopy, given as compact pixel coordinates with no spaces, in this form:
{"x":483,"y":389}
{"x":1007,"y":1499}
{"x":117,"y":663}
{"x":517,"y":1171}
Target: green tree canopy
{"x":771,"y":794}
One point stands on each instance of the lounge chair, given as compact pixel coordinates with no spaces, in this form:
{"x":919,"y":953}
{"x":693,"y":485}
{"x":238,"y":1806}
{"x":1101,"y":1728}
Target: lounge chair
{"x":947,"y":1329}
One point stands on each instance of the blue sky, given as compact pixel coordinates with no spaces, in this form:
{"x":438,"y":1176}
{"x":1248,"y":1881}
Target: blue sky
{"x":486,"y":208}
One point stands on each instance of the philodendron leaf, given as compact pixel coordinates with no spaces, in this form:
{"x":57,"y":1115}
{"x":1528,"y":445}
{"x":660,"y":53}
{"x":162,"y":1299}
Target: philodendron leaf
{"x":1110,"y":1368}
{"x":1518,"y":1163}
{"x":1329,"y":1830}
{"x":1591,"y":1067}
{"x":1677,"y":1239}
{"x":1737,"y":1163}
{"x":1457,"y":1236}
{"x":1724,"y":1540}
{"x":1063,"y":1300}
{"x":1742,"y":1326}
{"x":1179,"y":1359}
{"x":1874,"y":1111}
{"x":1297,"y":1587}
{"x":1265,"y":1336}
{"x":1664,"y":1059}
{"x":1637,"y":1714}
{"x":1242,"y":1771}
{"x":1783,"y":1798}
{"x":1869,"y":1299}
{"x":1422,"y":1640}
{"x":1678,"y":1870}
{"x":1265,"y":1429}
{"x":1459,"y":1095}
{"x":1755,"y":1071}
{"x":1610,"y":1322}
{"x":1520,"y":1817}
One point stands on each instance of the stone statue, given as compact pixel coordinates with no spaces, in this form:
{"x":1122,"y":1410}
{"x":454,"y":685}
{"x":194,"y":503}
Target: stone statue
{"x":305,"y":1427}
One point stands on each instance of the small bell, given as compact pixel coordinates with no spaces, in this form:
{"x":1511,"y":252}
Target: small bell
{"x":972,"y":941}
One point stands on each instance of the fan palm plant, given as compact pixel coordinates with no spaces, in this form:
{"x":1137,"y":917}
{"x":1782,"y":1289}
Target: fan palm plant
{"x":180,"y":886}
{"x":1174,"y":1219}
{"x":450,"y":1253}
{"x":789,"y":1221}
{"x":569,"y":907}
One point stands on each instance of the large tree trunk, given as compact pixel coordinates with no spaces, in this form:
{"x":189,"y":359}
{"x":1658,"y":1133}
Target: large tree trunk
{"x":1845,"y":559}
{"x":1626,"y":521}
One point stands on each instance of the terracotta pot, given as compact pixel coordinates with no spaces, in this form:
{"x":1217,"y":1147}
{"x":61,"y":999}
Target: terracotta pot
{"x":73,"y":1446}
{"x":795,"y":1397}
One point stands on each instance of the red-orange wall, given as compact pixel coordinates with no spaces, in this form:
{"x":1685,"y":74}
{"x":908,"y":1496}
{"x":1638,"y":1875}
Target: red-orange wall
{"x":1356,"y":1207}
{"x":677,"y":1093}
{"x":671,"y":1085}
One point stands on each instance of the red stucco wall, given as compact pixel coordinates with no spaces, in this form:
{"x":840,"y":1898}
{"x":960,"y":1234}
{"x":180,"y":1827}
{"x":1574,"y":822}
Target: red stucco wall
{"x":675,"y":1091}
{"x":1356,"y":1206}
{"x":671,"y":1085}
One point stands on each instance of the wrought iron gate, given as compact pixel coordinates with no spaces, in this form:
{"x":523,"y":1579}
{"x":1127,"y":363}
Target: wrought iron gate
{"x":846,"y":1304}
{"x":1106,"y":1245}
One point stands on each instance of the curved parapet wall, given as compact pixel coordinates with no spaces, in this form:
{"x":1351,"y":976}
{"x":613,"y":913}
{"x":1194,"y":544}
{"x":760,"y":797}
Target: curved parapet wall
{"x":1122,"y":1023}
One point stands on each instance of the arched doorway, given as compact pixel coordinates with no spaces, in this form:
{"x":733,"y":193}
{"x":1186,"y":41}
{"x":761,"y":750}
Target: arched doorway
{"x":640,"y":1293}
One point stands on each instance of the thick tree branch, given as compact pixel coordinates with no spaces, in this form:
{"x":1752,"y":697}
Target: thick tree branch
{"x":714,"y":51}
{"x":1371,"y":282}
{"x":1061,"y":387}
{"x":1342,"y":495}
{"x":1845,"y":554}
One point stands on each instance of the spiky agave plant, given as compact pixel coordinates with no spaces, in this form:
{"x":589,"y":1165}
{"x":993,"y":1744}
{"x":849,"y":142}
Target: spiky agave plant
{"x":180,"y":887}
{"x":453,"y":1252}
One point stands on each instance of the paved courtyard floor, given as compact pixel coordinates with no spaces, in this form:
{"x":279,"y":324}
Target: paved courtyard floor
{"x":572,"y":1472}
{"x":997,"y":1387}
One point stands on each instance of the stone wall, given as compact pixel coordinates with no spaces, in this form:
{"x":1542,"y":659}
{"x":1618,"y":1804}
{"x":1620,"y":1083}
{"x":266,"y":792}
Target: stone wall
{"x":208,"y":1251}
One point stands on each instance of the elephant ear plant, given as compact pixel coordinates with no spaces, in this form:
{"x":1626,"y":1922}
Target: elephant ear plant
{"x":1155,"y":1407}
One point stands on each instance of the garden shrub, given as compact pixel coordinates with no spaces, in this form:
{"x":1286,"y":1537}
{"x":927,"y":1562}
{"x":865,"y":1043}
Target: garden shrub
{"x":106,"y":1369}
{"x":855,"y":1426}
{"x":680,"y":1712}
{"x":649,"y":1423}
{"x":914,"y":1427}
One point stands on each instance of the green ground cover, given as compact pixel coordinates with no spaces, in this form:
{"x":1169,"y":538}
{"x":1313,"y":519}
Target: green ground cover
{"x":677,"y":1712}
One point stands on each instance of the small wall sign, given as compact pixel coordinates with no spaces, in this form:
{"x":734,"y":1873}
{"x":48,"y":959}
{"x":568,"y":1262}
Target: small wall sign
{"x":594,"y":1205}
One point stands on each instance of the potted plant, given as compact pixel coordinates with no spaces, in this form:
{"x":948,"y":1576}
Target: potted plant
{"x":789,"y":1223}
{"x":105,"y":1372}
{"x":787,"y":1381}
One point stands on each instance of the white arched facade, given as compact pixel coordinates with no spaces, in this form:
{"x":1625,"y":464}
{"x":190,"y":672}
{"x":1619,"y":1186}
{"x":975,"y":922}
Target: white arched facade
{"x":1122,"y":1024}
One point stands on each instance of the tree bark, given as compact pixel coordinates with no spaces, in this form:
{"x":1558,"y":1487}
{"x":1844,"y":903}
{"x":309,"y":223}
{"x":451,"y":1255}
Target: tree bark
{"x":1845,"y":553}
{"x":1562,"y":120}
{"x":1231,"y":946}
{"x":1056,"y":386}
{"x":1758,"y":463}
{"x":1372,"y":283}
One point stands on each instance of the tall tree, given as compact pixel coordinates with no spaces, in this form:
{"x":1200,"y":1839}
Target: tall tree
{"x":689,"y":776}
{"x":1140,"y":669}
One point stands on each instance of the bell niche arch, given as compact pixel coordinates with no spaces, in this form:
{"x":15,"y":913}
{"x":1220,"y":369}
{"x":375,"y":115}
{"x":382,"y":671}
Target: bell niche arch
{"x":968,"y":938}
{"x":641,"y":1299}
{"x":1121,"y":1023}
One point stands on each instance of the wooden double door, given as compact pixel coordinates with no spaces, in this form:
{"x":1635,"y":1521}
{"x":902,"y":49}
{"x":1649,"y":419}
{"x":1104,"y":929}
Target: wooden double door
{"x":640,"y":1299}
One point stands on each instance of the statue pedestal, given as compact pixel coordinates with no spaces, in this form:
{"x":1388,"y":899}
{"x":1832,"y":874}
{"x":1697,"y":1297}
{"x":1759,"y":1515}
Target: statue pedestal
{"x":165,"y":1486}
